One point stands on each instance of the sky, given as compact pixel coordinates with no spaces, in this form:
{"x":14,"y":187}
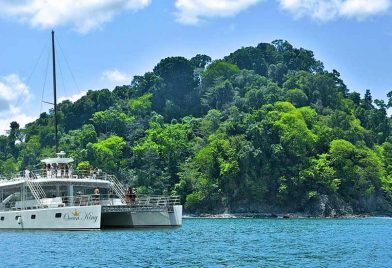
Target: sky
{"x":104,"y":43}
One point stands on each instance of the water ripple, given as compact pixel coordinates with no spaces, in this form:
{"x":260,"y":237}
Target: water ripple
{"x":209,"y":243}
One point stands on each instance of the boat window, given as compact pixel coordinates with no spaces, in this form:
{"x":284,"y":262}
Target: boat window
{"x":2,"y":218}
{"x":58,"y":215}
{"x":33,"y":217}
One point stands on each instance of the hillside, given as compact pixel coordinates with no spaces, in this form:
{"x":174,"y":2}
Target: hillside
{"x":265,"y":129}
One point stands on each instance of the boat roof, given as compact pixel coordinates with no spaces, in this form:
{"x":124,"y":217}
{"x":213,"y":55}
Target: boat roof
{"x":60,"y":159}
{"x":88,"y":182}
{"x":81,"y":178}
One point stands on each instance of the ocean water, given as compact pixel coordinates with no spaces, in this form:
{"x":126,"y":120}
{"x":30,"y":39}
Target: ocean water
{"x":359,"y":242}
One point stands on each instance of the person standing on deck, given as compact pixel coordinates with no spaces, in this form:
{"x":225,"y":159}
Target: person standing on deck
{"x":66,"y":170}
{"x":61,"y":166}
{"x":50,"y":170}
{"x":133,"y":195}
{"x":110,"y":194}
{"x":54,"y":166}
{"x":128,"y":194}
{"x":70,"y":170}
{"x":45,"y":170}
{"x":92,"y":172}
{"x":96,"y":196}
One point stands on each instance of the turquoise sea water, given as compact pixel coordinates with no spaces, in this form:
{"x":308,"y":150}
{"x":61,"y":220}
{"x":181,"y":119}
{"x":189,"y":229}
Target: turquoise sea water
{"x":364,"y":242}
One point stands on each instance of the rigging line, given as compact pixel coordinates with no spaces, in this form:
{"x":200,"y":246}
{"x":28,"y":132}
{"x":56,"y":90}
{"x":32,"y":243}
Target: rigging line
{"x":44,"y":48}
{"x":68,"y":65}
{"x":33,"y":70}
{"x":62,"y":77}
{"x":46,"y":76}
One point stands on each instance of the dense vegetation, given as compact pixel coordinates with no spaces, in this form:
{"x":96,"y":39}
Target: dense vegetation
{"x":265,"y":128}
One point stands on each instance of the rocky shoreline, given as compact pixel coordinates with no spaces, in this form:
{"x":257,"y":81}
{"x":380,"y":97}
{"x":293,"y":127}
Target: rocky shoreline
{"x":278,"y":216}
{"x":323,"y":206}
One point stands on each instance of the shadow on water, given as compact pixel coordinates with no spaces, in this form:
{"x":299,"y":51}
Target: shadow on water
{"x":143,"y":229}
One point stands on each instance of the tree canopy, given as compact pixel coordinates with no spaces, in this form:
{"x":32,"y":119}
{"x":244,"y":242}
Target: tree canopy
{"x":264,"y":127}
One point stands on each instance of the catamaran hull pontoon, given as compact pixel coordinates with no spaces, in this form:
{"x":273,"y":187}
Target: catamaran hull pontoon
{"x":129,"y":217}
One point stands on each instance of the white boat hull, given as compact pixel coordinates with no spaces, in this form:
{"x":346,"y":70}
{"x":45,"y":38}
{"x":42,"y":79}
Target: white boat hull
{"x":64,"y":218}
{"x":126,"y":217}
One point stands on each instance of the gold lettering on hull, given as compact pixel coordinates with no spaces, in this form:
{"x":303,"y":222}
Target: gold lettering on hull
{"x":76,"y":215}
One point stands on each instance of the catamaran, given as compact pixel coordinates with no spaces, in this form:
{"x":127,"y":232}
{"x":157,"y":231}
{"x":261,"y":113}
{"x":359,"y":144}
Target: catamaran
{"x":58,"y":197}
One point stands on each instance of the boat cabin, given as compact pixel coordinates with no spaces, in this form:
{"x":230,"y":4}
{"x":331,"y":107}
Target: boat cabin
{"x":58,"y":185}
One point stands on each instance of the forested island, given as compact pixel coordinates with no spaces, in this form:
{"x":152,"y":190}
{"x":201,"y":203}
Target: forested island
{"x":266,"y":129}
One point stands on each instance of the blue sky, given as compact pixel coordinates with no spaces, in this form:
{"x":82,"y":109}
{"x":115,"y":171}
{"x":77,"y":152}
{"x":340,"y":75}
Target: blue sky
{"x":107,"y":42}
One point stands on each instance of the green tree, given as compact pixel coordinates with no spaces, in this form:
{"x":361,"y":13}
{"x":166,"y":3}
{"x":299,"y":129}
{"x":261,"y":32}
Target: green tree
{"x":107,"y":154}
{"x":111,"y":121}
{"x":13,"y":136}
{"x":164,"y":147}
{"x":179,"y":88}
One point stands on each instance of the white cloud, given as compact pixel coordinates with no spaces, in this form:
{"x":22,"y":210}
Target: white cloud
{"x":13,"y":91}
{"x":116,"y":77}
{"x":364,"y":8}
{"x":12,"y":88}
{"x":192,"y":11}
{"x":83,"y":15}
{"x":13,"y":114}
{"x":324,"y":10}
{"x":72,"y":98}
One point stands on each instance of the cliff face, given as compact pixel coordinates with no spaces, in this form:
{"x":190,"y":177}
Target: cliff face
{"x":328,"y":206}
{"x":333,"y":206}
{"x":321,"y":206}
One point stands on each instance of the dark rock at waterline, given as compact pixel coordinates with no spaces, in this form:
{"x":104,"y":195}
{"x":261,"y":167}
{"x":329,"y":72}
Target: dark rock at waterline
{"x":333,"y":206}
{"x":328,"y":206}
{"x":321,"y":206}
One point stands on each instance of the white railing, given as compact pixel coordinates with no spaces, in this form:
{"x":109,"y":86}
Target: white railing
{"x":141,"y":201}
{"x":118,"y":187}
{"x":74,"y":174}
{"x":44,"y":174}
{"x":157,"y":200}
{"x":35,"y":188}
{"x":59,"y":174}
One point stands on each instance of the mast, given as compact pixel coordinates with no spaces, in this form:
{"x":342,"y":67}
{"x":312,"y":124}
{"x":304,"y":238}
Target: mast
{"x":54,"y":91}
